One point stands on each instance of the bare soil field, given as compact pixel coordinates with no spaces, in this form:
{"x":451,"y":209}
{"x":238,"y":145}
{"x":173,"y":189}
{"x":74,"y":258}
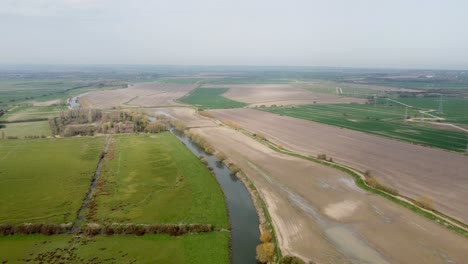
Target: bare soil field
{"x":279,"y":94}
{"x":319,"y":213}
{"x":141,"y":94}
{"x":411,"y":169}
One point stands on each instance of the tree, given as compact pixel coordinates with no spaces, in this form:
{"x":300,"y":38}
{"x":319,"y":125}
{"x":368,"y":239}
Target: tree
{"x":265,"y":252}
{"x":425,"y":202}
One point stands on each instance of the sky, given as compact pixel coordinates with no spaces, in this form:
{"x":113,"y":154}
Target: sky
{"x":335,"y":33}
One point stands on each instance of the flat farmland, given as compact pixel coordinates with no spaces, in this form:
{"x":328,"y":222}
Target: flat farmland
{"x":454,"y":109}
{"x":26,"y":129}
{"x":193,"y":248}
{"x":45,"y":180}
{"x":380,"y":120}
{"x":279,"y":94}
{"x":156,"y":179}
{"x":140,"y":94}
{"x":211,"y":98}
{"x":320,"y":214}
{"x":411,"y":169}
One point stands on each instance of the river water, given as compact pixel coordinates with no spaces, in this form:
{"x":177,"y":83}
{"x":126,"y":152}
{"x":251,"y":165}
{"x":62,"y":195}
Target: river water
{"x":242,"y":214}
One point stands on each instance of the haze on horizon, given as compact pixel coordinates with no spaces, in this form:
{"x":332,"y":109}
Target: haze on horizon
{"x":340,"y":33}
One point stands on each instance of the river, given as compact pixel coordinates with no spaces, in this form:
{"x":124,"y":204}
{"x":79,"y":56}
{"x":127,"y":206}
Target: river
{"x":242,"y":214}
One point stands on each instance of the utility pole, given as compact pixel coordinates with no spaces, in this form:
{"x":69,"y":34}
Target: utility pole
{"x":441,"y":105}
{"x":375,"y":100}
{"x":406,"y":113}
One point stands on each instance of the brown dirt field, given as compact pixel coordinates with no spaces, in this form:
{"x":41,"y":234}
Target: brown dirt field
{"x":309,"y":206}
{"x":279,"y":94}
{"x":411,"y":169}
{"x":362,"y":228}
{"x":141,"y":94}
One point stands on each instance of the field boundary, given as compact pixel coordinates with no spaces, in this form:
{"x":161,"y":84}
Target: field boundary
{"x":359,"y":179}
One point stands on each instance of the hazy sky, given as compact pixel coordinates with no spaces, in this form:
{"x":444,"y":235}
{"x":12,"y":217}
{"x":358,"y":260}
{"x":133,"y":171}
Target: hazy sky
{"x":342,"y":33}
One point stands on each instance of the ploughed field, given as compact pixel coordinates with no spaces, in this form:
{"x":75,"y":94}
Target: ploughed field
{"x":413,"y":170}
{"x":145,"y":179}
{"x":140,"y":94}
{"x":379,"y":120}
{"x":319,"y":213}
{"x":278,"y":94}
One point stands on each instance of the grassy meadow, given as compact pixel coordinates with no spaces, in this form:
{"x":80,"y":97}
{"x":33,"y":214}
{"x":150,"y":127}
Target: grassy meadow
{"x":191,"y":248}
{"x":211,"y":98}
{"x":26,"y":129}
{"x":156,"y":179}
{"x":45,"y":180}
{"x":455,"y":109}
{"x":379,"y":120}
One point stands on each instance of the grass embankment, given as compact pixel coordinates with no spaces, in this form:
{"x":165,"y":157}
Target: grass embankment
{"x":380,"y":120}
{"x":435,"y":216}
{"x":194,"y":248}
{"x":44,"y":180}
{"x":210,"y":98}
{"x":156,"y":179}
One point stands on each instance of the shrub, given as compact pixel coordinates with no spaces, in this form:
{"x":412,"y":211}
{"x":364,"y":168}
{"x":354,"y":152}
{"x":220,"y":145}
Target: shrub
{"x":322,"y":156}
{"x":291,"y":260}
{"x":265,"y":252}
{"x":265,"y":236}
{"x":205,"y":113}
{"x":233,"y":168}
{"x":178,"y":125}
{"x":220,"y":156}
{"x":425,"y":202}
{"x":232,"y":124}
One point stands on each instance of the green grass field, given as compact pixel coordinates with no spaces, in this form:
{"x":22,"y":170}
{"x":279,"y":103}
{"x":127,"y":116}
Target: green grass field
{"x":454,"y":109}
{"x":45,"y":180}
{"x":156,"y":179}
{"x":380,"y":120}
{"x":27,"y":111}
{"x":211,"y":98}
{"x":192,"y":248}
{"x":25,"y":129}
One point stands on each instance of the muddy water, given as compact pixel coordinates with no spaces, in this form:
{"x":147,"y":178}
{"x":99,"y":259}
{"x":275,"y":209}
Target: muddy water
{"x":242,"y":215}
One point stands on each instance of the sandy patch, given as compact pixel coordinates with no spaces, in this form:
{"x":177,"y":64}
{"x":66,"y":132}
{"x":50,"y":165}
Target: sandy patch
{"x":342,"y":209}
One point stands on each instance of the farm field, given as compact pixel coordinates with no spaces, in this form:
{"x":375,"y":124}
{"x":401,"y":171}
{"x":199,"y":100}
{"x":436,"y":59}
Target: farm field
{"x":44,"y":180}
{"x":455,"y":110}
{"x":278,"y":94}
{"x":25,"y":112}
{"x":26,"y":129}
{"x":193,"y":248}
{"x":211,"y":98}
{"x":411,"y":169}
{"x":380,"y":120}
{"x":320,"y":215}
{"x":14,"y":91}
{"x":138,"y":95}
{"x":156,"y":179}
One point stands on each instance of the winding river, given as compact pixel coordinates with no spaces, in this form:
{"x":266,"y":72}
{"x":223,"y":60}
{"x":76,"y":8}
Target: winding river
{"x":242,"y":214}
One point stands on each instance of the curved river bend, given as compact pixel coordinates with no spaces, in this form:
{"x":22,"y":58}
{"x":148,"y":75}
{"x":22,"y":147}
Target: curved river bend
{"x":242,"y":214}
